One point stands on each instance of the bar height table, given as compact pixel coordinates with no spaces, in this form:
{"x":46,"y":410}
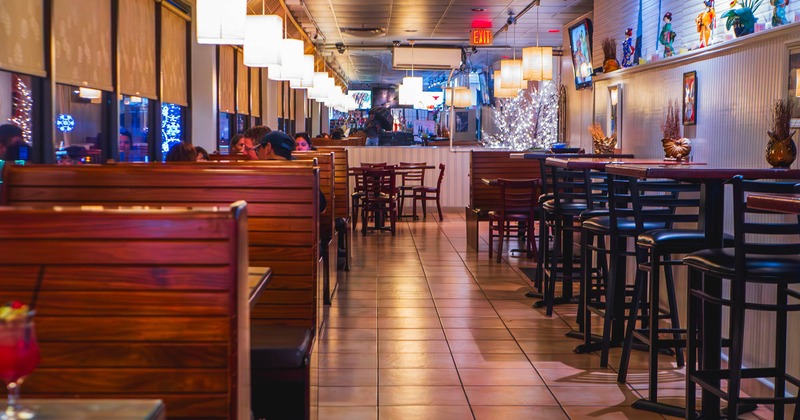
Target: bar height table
{"x":712,"y":214}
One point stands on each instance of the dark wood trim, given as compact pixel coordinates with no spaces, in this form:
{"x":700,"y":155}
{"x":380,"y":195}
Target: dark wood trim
{"x":45,"y":99}
{"x":156,"y":116}
{"x":217,"y":111}
{"x":112,"y":116}
{"x":186,"y":111}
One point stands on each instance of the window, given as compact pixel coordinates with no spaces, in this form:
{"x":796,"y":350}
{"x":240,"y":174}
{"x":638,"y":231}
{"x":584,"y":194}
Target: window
{"x":134,"y":129}
{"x":225,"y":126}
{"x":16,"y":108}
{"x":171,"y":127}
{"x":80,"y":129}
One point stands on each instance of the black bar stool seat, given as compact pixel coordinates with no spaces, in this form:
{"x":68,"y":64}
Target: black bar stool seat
{"x":674,"y":241}
{"x":602,"y":224}
{"x":760,"y":268}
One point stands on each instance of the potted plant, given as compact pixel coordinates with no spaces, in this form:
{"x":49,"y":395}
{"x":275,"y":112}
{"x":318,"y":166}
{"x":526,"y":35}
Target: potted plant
{"x":601,"y":143}
{"x":742,"y":18}
{"x":781,"y":151}
{"x":610,"y":62}
{"x":675,"y":147}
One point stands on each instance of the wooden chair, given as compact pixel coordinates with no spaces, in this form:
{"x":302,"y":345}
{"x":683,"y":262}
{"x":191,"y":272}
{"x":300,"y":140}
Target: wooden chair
{"x":380,"y":198}
{"x":425,"y":194}
{"x":517,"y":204}
{"x":413,"y":176}
{"x":358,"y":191}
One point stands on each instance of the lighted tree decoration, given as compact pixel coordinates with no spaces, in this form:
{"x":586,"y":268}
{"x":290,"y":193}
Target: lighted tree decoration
{"x":170,"y":126}
{"x":23,"y":108}
{"x":528,"y":121}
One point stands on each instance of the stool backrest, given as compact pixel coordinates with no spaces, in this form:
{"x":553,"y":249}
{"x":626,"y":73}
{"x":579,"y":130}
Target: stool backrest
{"x":666,"y":202}
{"x":413,"y":176}
{"x":567,"y":186}
{"x":441,"y":177}
{"x":379,"y":182}
{"x":760,"y":231}
{"x":518,"y":196}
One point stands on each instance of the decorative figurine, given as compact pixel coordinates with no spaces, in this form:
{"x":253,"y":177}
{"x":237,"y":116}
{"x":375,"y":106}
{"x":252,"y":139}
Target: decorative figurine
{"x":779,"y":13}
{"x":667,"y":36}
{"x":706,"y":22}
{"x":628,"y":49}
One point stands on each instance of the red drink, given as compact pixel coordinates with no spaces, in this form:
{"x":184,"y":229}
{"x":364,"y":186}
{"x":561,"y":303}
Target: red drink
{"x":19,"y":351}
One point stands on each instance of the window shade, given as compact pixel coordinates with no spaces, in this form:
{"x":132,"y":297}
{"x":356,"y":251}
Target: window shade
{"x":82,"y":32}
{"x":242,"y":85}
{"x":137,"y":48}
{"x":255,"y":92}
{"x":173,"y":58}
{"x":22,"y":37}
{"x":227,"y":101}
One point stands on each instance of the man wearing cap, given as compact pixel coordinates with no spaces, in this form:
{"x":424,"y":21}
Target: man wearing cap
{"x":248,"y":143}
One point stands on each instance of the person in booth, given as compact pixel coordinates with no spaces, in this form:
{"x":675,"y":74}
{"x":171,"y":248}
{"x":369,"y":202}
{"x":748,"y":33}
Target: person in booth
{"x":125,"y":142}
{"x":202,"y":154}
{"x":303,"y":142}
{"x":12,"y":147}
{"x":182,"y":152}
{"x":250,"y":140}
{"x":236,"y":147}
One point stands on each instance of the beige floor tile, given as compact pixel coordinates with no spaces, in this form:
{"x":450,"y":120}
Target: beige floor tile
{"x":430,"y":377}
{"x":468,"y":312}
{"x":385,"y":302}
{"x":407,"y":322}
{"x":411,"y":334}
{"x":348,"y":360}
{"x":491,"y":361}
{"x":348,"y":346}
{"x":408,"y":346}
{"x":477,"y":334}
{"x":510,"y":377}
{"x":425,"y":412}
{"x":348,"y":396}
{"x":463,"y":303}
{"x":578,"y":377}
{"x":415,"y":360}
{"x":510,"y":395}
{"x":610,"y":413}
{"x":349,"y":334}
{"x":452,"y":323}
{"x":348,"y":322}
{"x":348,"y":413}
{"x":407,"y":312}
{"x":595,"y":395}
{"x":484,"y":346}
{"x":517,"y":412}
{"x":348,"y":377}
{"x":421,"y":395}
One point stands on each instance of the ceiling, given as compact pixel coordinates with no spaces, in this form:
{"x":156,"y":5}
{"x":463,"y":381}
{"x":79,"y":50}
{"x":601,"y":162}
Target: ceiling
{"x":367,"y":58}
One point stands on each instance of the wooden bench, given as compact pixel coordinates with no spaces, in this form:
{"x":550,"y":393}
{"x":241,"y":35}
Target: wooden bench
{"x":283,"y":225}
{"x":484,"y":198}
{"x":342,"y":196}
{"x":127,"y":309}
{"x":350,"y":141}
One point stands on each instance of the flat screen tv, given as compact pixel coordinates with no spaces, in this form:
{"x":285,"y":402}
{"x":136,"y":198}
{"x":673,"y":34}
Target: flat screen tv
{"x":580,"y":42}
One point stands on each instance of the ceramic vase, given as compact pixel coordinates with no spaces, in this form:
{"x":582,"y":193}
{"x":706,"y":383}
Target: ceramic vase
{"x":610,"y":65}
{"x":780,"y":153}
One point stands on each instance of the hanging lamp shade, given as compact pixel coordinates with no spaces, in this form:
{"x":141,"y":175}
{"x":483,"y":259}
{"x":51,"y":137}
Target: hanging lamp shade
{"x":410,"y":90}
{"x":262,"y":34}
{"x":291,"y":65}
{"x":307,"y":81}
{"x":537,"y":63}
{"x":501,"y":91}
{"x":459,"y":97}
{"x":318,"y":91}
{"x":221,"y":22}
{"x":511,"y":74}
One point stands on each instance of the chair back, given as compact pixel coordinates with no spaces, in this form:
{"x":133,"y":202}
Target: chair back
{"x":568,"y":186}
{"x":415,"y":176}
{"x":760,"y":231}
{"x":379,"y":183}
{"x":441,"y":178}
{"x":518,"y":196}
{"x":373,"y":165}
{"x":664,"y":202}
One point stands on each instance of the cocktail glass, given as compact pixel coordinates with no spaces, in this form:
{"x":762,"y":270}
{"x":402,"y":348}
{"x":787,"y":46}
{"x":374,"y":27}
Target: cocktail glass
{"x":19,"y":356}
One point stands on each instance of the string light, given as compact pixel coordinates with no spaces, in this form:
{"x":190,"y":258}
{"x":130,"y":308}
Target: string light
{"x":528,"y":121}
{"x":23,"y":109}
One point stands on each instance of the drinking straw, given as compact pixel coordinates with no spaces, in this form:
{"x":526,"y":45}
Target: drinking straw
{"x":38,"y":287}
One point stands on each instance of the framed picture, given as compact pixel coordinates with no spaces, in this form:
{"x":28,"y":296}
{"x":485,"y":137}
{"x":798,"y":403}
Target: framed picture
{"x":690,"y":98}
{"x":462,"y":121}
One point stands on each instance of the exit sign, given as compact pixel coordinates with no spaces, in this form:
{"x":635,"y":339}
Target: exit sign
{"x":481,"y":36}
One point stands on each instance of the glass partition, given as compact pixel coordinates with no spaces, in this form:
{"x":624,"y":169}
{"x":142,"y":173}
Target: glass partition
{"x":134,"y":129}
{"x":80,"y":129}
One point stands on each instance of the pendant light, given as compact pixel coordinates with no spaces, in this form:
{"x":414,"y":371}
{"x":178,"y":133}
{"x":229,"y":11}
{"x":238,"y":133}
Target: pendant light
{"x":291,"y":59}
{"x":459,"y":96}
{"x":411,"y":89}
{"x":221,"y":22}
{"x":511,"y":70}
{"x":319,"y":90}
{"x":261,"y":36}
{"x":537,"y":62}
{"x":307,"y":81}
{"x":500,"y":91}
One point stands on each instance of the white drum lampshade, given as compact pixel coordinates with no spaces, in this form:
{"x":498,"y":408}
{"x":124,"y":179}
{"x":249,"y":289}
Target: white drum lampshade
{"x":410,"y":90}
{"x":221,"y":22}
{"x":459,"y":97}
{"x":261,"y":37}
{"x":319,"y":89}
{"x":291,"y":66}
{"x":511,"y":74}
{"x":501,"y":91}
{"x":307,"y":81}
{"x":537,"y":63}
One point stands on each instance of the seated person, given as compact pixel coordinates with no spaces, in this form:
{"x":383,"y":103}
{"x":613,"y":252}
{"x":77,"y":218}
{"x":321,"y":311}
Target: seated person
{"x":125,"y":143}
{"x":74,"y":155}
{"x":250,"y":140}
{"x":337,"y":134}
{"x":202,"y":154}
{"x":12,"y":147}
{"x":236,"y":147}
{"x":277,"y":145}
{"x":325,"y":135}
{"x":182,"y":152}
{"x":303,"y":142}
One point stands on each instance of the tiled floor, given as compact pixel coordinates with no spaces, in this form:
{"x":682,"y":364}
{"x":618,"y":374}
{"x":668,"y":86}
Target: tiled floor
{"x":422,"y":329}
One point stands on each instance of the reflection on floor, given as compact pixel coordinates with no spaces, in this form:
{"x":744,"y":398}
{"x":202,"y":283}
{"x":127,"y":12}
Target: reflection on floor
{"x":422,"y":329}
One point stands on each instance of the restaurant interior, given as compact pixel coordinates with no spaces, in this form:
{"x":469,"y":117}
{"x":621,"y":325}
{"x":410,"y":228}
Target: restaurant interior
{"x":396,"y":209}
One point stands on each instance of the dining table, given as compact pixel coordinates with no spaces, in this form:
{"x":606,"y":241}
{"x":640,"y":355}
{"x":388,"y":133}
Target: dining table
{"x":712,"y":179}
{"x":772,"y":202}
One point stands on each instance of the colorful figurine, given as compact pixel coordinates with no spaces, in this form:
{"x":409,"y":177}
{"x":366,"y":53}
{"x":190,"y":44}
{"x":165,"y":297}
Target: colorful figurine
{"x":706,"y":22}
{"x":628,"y":49}
{"x":667,"y":36}
{"x":779,"y":13}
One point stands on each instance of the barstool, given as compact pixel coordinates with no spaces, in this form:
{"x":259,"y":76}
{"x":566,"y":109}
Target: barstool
{"x":517,"y":204}
{"x":413,"y":176}
{"x":761,"y":255}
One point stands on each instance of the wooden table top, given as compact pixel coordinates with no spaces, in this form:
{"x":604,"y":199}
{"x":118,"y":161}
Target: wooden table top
{"x":91,"y":409}
{"x":493,"y":181}
{"x":257,"y":280}
{"x":357,"y":170}
{"x":701,"y":172}
{"x":599,"y":164}
{"x":543,"y":156}
{"x":772,"y":202}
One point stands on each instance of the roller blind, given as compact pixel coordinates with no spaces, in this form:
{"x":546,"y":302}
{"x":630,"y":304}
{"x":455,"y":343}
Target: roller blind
{"x":227,"y":92}
{"x":255,"y":92}
{"x":137,"y":48}
{"x":22,"y":36}
{"x":82,"y":32}
{"x":242,"y":86}
{"x":173,"y":58}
